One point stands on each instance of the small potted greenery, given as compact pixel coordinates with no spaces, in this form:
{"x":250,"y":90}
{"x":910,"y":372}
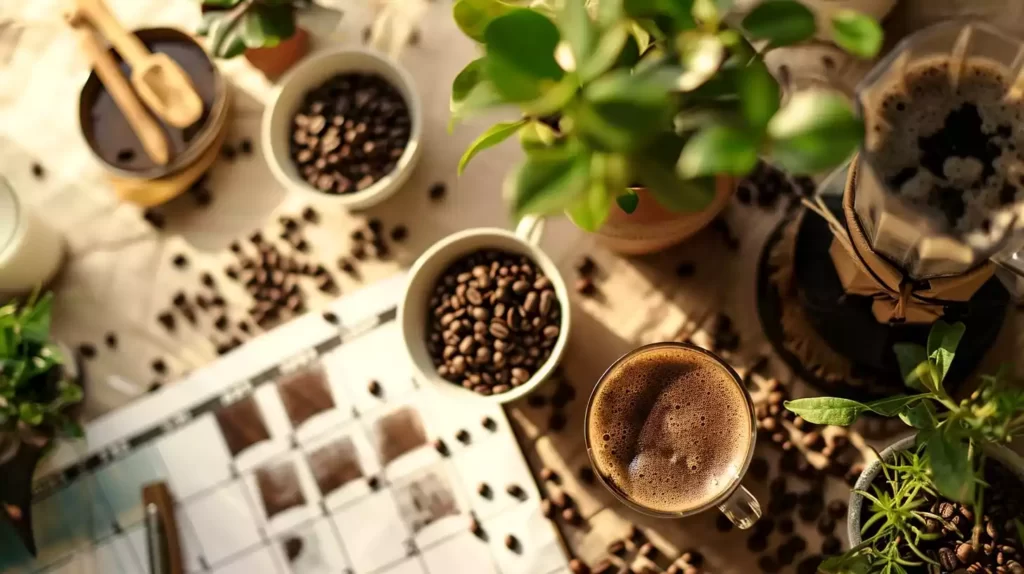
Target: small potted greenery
{"x":264,"y":30}
{"x":642,"y":112}
{"x":36,"y":386}
{"x":950,"y":498}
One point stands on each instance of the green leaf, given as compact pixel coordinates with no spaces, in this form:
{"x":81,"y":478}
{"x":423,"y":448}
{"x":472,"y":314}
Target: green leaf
{"x":782,"y":22}
{"x":827,"y":410}
{"x":759,"y":93}
{"x":490,"y":138}
{"x":550,"y":180}
{"x":591,"y":211}
{"x":473,"y":16}
{"x":467,"y":79}
{"x":225,"y":34}
{"x":616,"y":47}
{"x":858,"y":34}
{"x":35,"y":320}
{"x":521,"y":55}
{"x":920,"y":416}
{"x":654,"y":167}
{"x":814,"y":131}
{"x":909,"y":357}
{"x":951,"y":468}
{"x":628,"y":202}
{"x":578,"y":29}
{"x":220,"y":3}
{"x":554,"y":99}
{"x":624,"y":110}
{"x":31,"y":414}
{"x":265,"y":25}
{"x":471,"y":93}
{"x":700,"y":56}
{"x":718,"y":150}
{"x":71,"y":393}
{"x":609,"y":12}
{"x":680,"y":12}
{"x":846,"y":564}
{"x":72,"y":429}
{"x":942,"y":343}
{"x":536,"y":135}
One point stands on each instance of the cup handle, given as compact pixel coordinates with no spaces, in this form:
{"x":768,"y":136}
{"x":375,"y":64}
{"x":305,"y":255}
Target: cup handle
{"x":530,"y":229}
{"x":741,"y":508}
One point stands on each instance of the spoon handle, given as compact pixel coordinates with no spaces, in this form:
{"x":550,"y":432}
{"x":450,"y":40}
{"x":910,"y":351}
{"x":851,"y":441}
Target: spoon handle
{"x":149,"y":132}
{"x":128,"y":45}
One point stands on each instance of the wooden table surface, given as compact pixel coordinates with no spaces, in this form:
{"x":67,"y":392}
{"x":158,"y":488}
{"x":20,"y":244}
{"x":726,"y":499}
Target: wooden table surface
{"x":120,"y":273}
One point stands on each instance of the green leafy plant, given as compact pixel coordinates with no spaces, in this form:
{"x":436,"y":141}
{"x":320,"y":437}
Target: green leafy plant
{"x":951,"y":436}
{"x":898,"y":520}
{"x":661,"y":94}
{"x":34,"y":395}
{"x":235,"y":25}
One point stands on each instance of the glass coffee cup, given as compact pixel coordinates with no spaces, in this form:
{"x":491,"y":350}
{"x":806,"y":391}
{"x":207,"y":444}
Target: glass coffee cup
{"x":670,"y":430}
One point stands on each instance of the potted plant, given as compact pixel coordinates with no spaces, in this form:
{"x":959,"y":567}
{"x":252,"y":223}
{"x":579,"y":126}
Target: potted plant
{"x":36,"y":390}
{"x":949,"y":498}
{"x":638,"y":114}
{"x":264,"y":30}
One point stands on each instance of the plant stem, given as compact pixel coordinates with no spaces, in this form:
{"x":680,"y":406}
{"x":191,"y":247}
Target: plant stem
{"x":979,"y":503}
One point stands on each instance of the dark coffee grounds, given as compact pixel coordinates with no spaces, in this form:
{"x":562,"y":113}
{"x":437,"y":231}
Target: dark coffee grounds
{"x":947,"y":143}
{"x":349,"y":133}
{"x":493,"y":321}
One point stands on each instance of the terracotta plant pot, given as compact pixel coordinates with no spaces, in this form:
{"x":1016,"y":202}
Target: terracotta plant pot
{"x":652,"y":227}
{"x":277,"y":60}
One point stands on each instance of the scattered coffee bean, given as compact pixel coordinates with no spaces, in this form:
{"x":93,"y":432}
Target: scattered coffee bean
{"x":111,"y":340}
{"x":693,"y":558}
{"x":37,"y":170}
{"x":441,"y":447}
{"x":605,"y":566}
{"x":400,"y":233}
{"x":548,"y":475}
{"x":635,"y":534}
{"x":374,"y":388}
{"x":831,"y":546}
{"x":87,"y":350}
{"x":463,"y":436}
{"x":826,"y":525}
{"x":577,"y":566}
{"x":768,"y":564}
{"x":207,"y":279}
{"x":809,"y":565}
{"x":586,"y":475}
{"x":159,"y":366}
{"x":180,"y":261}
{"x":547,"y":508}
{"x":515,"y":491}
{"x":757,"y":543}
{"x":511,"y":542}
{"x":310,"y":214}
{"x":484,"y":490}
{"x":221,"y":323}
{"x":536,"y":400}
{"x":560,"y":498}
{"x":966,"y":553}
{"x":948,"y":560}
{"x":167,"y":320}
{"x":585,"y":286}
{"x":617,"y":548}
{"x":330,"y":317}
{"x":648,"y":551}
{"x":437,"y":191}
{"x":571,"y":516}
{"x":556,"y":422}
{"x":154,"y":387}
{"x":786,"y":525}
{"x":685,"y":269}
{"x":155,"y":218}
{"x":476,"y":528}
{"x":373,"y":483}
{"x":227,"y":151}
{"x":759,"y":469}
{"x":256,"y":238}
{"x":245,"y":146}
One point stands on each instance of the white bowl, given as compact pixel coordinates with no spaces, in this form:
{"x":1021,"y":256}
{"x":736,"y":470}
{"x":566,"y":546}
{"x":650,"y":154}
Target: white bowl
{"x":309,"y":74}
{"x":412,"y":313}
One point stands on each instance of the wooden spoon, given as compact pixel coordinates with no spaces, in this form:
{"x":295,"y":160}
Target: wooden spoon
{"x":150,"y":134}
{"x":157,"y":78}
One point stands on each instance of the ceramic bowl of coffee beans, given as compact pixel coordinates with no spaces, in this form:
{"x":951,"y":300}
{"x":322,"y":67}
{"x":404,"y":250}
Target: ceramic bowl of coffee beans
{"x":485,"y":315}
{"x":344,"y":126}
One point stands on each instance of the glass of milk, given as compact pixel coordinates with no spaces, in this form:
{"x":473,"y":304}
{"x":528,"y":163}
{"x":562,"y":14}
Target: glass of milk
{"x":31,"y":251}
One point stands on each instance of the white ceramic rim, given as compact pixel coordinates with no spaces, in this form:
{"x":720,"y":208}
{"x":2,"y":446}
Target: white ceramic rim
{"x":384,"y":187}
{"x":526,"y":236}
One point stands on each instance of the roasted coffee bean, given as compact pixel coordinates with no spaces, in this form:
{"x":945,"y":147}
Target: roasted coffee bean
{"x":484,"y":490}
{"x":759,"y":469}
{"x":463,"y":436}
{"x":400,"y":233}
{"x":947,"y":510}
{"x":786,"y":525}
{"x":111,"y":340}
{"x":476,"y":528}
{"x":515,"y":491}
{"x":604,"y":566}
{"x":586,"y":475}
{"x":180,"y":261}
{"x":571,"y":516}
{"x":167,"y":320}
{"x":159,"y":366}
{"x":617,"y":548}
{"x":437,"y":191}
{"x":374,"y":388}
{"x":831,"y":546}
{"x":948,"y":560}
{"x":548,"y":475}
{"x":556,"y":422}
{"x":966,"y":553}
{"x":37,"y":170}
{"x":826,"y":525}
{"x":837,"y":509}
{"x":757,"y":543}
{"x":577,"y":566}
{"x":768,"y":564}
{"x":87,"y":350}
{"x":585,"y":286}
{"x":155,"y":218}
{"x":723,"y":524}
{"x":441,"y":447}
{"x":547,"y":508}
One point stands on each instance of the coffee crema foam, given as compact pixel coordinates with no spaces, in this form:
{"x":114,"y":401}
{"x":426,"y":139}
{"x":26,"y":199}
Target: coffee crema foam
{"x":949,"y":139}
{"x":670,"y":429}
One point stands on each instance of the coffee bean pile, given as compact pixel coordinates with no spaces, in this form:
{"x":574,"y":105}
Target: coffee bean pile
{"x":767,"y":184}
{"x":493,"y":320}
{"x":349,"y":133}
